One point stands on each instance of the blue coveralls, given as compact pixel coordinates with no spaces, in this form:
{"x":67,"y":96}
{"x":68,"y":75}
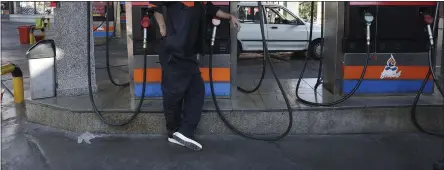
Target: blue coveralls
{"x":182,"y":84}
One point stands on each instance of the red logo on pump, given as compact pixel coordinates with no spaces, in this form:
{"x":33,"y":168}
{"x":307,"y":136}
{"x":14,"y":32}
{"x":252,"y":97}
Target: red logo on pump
{"x":428,"y":19}
{"x":145,"y":22}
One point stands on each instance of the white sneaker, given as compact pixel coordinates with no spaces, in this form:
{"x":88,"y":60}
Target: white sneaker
{"x":189,"y":143}
{"x":174,"y":141}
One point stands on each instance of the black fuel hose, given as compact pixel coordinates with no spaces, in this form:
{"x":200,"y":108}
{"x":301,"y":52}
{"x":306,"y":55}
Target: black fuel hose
{"x":264,"y":67}
{"x":413,"y":116}
{"x":100,"y":24}
{"x":108,"y":69}
{"x":287,"y":102}
{"x":90,"y":90}
{"x":305,"y":67}
{"x":321,"y":55}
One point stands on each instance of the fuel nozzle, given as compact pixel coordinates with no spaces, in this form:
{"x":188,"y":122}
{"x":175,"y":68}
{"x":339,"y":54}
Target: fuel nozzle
{"x":368,"y":19}
{"x":145,"y":24}
{"x":429,"y":20}
{"x":216,"y":22}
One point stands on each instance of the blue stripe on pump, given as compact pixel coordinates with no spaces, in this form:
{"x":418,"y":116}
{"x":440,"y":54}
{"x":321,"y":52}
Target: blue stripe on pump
{"x":387,"y":86}
{"x":102,"y":34}
{"x":154,"y":90}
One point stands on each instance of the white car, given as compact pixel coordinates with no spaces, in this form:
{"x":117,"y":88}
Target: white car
{"x":284,"y":30}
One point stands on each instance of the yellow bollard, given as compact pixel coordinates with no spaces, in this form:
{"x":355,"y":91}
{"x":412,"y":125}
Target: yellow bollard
{"x":17,"y":81}
{"x":39,"y":22}
{"x":8,"y":68}
{"x":31,"y":35}
{"x":17,"y":85}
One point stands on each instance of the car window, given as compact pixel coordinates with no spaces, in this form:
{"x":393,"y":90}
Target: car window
{"x":249,"y":15}
{"x":287,"y":15}
{"x":273,"y":17}
{"x":279,"y":15}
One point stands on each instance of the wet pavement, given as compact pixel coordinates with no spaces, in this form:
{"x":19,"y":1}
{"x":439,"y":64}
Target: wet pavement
{"x":35,"y":147}
{"x":30,"y":146}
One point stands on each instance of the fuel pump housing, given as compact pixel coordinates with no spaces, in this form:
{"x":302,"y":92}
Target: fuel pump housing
{"x":221,"y":59}
{"x":399,"y":46}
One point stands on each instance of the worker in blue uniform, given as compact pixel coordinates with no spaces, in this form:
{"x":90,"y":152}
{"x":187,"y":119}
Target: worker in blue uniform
{"x":182,"y":30}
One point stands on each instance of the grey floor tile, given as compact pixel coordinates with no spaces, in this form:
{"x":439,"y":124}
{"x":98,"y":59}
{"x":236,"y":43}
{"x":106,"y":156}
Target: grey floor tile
{"x":224,"y":104}
{"x":248,"y":102}
{"x":276,"y":101}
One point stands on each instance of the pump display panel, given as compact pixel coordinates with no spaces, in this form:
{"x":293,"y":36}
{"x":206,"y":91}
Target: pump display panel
{"x":401,"y":27}
{"x":222,"y":44}
{"x":99,"y":11}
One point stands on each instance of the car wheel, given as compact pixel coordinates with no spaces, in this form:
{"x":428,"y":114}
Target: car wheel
{"x":315,"y":49}
{"x":239,"y":50}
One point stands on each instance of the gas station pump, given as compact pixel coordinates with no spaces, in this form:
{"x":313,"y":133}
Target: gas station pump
{"x":399,"y":47}
{"x":222,"y":65}
{"x":103,"y":13}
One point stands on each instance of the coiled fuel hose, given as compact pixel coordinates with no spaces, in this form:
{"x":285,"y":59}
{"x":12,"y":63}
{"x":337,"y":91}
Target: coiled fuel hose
{"x":369,"y":19}
{"x":108,"y":69}
{"x":431,"y":32}
{"x":90,"y":90}
{"x":264,"y":67}
{"x":267,"y":57}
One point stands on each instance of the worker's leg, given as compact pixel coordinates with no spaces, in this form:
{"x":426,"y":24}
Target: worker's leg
{"x":174,"y":85}
{"x":194,"y":100}
{"x":172,"y":104}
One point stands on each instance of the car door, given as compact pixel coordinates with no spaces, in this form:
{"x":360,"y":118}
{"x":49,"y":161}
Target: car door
{"x":250,"y":33}
{"x":285,"y":31}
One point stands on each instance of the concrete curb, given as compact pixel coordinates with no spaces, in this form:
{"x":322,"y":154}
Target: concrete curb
{"x":345,"y":121}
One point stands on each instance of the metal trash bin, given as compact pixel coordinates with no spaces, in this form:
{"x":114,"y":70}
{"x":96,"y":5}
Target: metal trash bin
{"x":41,"y":61}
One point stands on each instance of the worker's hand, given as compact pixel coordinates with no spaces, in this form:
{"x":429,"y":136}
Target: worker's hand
{"x":235,"y":22}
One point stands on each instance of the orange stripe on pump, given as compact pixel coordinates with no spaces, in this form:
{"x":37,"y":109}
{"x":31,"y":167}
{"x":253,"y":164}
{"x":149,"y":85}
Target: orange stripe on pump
{"x":219,"y":74}
{"x":154,"y":75}
{"x":375,"y":72}
{"x":111,"y":28}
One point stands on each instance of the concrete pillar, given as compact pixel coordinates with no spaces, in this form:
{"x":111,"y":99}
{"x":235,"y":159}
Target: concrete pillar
{"x":117,"y":19}
{"x":233,"y":54}
{"x":70,"y":24}
{"x":293,"y":7}
{"x":285,"y":5}
{"x":318,"y":12}
{"x":439,"y":48}
{"x":17,"y":8}
{"x":440,"y":40}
